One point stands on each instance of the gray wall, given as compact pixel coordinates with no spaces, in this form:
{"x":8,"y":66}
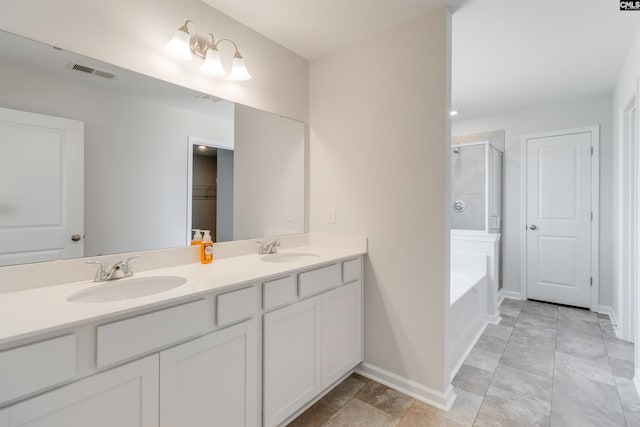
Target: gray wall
{"x":225,"y":196}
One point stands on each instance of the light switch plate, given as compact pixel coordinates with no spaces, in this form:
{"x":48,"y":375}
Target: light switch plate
{"x":331,"y":215}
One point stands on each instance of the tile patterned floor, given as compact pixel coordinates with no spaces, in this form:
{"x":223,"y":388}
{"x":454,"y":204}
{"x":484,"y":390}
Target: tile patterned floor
{"x":543,"y":365}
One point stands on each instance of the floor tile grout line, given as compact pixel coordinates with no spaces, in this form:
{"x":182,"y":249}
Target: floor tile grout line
{"x":494,"y":372}
{"x":606,"y":350}
{"x":553,"y":371}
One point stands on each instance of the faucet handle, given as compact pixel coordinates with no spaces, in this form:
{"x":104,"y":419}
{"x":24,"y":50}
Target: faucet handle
{"x":101,"y":275}
{"x":126,"y":267}
{"x":131,"y":259}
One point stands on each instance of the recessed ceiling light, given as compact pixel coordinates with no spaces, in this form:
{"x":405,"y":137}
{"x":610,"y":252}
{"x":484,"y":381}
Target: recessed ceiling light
{"x":202,"y":147}
{"x":453,"y":113}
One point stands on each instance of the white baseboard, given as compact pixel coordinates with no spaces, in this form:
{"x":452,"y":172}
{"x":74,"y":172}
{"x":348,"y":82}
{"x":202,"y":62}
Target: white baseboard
{"x":511,"y":295}
{"x":608,"y":310}
{"x":464,"y":356}
{"x":494,"y":318}
{"x":409,"y":387}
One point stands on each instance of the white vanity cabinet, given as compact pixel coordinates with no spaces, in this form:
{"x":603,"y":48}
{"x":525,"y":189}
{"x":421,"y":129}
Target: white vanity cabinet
{"x":341,"y":331}
{"x":212,"y":380}
{"x":292,"y":340}
{"x":126,"y":396}
{"x":312,"y":343}
{"x":252,"y":355}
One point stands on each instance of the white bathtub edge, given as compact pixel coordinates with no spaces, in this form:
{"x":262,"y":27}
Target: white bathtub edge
{"x":465,"y":354}
{"x":409,"y":387}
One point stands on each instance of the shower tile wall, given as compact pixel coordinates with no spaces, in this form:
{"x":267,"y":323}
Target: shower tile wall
{"x":468,"y":186}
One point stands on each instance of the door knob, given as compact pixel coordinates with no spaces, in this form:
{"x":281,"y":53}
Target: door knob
{"x":76,"y":238}
{"x":532,"y":227}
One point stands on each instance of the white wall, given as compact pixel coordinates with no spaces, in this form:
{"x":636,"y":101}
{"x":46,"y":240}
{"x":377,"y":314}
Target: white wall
{"x":132,"y":34}
{"x":626,"y":87}
{"x":135,"y":158}
{"x":225,"y":196}
{"x":378,"y":154}
{"x":271,"y":151}
{"x":594,"y":110}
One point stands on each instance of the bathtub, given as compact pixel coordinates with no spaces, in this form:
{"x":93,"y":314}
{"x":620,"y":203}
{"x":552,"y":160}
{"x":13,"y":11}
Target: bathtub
{"x":468,"y":314}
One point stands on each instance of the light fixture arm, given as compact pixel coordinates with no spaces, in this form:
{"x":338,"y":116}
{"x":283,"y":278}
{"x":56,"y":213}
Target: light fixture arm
{"x":237,"y":54}
{"x":197,"y":46}
{"x":186,"y":42}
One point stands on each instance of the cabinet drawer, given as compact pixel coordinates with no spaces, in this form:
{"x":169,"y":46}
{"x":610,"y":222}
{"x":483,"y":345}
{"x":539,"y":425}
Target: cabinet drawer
{"x":315,"y":281}
{"x":237,"y":305}
{"x":279,"y":292}
{"x":129,"y":337}
{"x":32,"y":367}
{"x":351,"y":270}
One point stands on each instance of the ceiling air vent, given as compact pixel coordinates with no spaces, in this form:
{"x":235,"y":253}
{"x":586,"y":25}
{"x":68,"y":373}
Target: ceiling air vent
{"x":90,"y":70}
{"x":205,"y":96}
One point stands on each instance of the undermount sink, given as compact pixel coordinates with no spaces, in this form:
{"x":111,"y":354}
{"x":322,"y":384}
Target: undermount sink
{"x":125,"y":289}
{"x":289,"y":257}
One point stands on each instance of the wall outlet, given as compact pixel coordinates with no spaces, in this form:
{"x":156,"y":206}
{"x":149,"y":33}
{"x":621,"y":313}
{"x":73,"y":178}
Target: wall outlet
{"x":331,"y":215}
{"x":289,"y":214}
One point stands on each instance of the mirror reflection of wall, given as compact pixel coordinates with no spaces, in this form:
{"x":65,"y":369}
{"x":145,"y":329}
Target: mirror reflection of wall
{"x":135,"y":159}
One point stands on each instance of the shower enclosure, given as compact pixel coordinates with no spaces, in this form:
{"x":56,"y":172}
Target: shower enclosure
{"x":476,"y":187}
{"x":476,"y":205}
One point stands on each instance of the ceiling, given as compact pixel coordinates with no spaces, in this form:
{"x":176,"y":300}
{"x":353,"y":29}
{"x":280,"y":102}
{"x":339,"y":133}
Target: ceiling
{"x":313,"y":28}
{"x":506,"y":53}
{"x":513,"y":54}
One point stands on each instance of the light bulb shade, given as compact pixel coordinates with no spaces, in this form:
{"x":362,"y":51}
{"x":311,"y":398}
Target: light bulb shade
{"x":212,"y":64}
{"x":239,"y":70}
{"x":179,"y":46}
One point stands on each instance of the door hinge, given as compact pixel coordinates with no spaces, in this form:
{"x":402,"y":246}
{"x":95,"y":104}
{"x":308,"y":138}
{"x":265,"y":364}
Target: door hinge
{"x":592,"y":151}
{"x":591,"y":216}
{"x":590,"y":281}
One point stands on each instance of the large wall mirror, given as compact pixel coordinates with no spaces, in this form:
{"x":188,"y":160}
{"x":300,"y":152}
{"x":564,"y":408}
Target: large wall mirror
{"x":97,"y":160}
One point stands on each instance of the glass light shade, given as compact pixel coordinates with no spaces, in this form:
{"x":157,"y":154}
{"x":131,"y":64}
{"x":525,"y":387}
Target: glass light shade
{"x":178,"y":47}
{"x":212,"y":64}
{"x":239,"y":70}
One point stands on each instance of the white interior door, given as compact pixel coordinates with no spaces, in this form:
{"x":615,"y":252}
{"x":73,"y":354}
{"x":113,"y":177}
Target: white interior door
{"x":558,"y":217}
{"x":41,"y":187}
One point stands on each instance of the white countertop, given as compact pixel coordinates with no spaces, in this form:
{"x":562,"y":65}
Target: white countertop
{"x":32,"y":312}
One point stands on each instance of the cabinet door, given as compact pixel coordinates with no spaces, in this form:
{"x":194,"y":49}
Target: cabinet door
{"x":126,"y":396}
{"x":211,"y":381}
{"x":341,"y":331}
{"x":291,"y":359}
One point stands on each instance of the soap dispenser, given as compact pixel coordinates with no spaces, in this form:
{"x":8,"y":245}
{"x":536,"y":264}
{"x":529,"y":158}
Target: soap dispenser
{"x":206,"y":250}
{"x":197,"y":237}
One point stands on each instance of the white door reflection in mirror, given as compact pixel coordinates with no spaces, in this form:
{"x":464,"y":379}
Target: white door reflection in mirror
{"x":41,"y":219}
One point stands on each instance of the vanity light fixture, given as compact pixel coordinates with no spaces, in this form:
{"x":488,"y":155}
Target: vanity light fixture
{"x":453,"y":113}
{"x":183,"y":45}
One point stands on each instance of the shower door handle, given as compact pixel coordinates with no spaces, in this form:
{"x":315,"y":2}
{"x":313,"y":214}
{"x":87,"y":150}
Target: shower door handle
{"x":532,"y":227}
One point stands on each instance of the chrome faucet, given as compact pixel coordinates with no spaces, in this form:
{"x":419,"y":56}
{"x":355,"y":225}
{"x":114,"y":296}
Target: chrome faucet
{"x":268,"y":248}
{"x":117,"y":271}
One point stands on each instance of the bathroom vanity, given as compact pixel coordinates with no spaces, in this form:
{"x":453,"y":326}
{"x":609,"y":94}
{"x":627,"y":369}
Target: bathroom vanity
{"x":246,"y":341}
